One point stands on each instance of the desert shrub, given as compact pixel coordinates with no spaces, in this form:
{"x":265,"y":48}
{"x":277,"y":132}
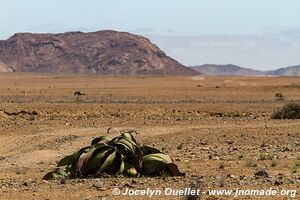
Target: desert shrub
{"x":263,"y":156}
{"x":121,"y":155}
{"x":221,"y":166}
{"x":289,"y":111}
{"x":250,"y":163}
{"x":295,"y":167}
{"x":273,"y":163}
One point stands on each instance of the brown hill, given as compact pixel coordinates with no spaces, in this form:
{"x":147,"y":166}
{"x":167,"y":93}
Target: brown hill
{"x":102,"y":52}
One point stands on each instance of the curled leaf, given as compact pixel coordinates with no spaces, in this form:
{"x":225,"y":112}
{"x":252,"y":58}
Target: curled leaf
{"x":102,"y":139}
{"x":159,"y":163}
{"x":57,"y":174}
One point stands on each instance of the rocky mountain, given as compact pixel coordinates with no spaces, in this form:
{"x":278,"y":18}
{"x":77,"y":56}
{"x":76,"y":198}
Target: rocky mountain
{"x":102,"y":52}
{"x":234,"y":70}
{"x":286,"y":71}
{"x":5,"y":68}
{"x":226,"y":70}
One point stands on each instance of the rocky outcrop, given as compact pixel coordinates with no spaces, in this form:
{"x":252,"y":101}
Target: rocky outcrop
{"x":102,"y":52}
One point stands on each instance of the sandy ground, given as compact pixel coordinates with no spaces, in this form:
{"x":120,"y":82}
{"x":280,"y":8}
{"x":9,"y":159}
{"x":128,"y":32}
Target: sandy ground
{"x":217,"y":129}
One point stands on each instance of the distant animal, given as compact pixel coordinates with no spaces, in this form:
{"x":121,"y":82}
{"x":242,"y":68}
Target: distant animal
{"x":279,"y":96}
{"x":78,"y":93}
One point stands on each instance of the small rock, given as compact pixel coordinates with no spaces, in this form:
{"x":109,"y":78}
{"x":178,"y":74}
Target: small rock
{"x":26,"y":183}
{"x":98,"y":184}
{"x":86,"y":198}
{"x":261,"y":173}
{"x":196,"y":186}
{"x":128,"y":185}
{"x":280,"y":176}
{"x":229,"y":142}
{"x":253,"y":116}
{"x":180,"y":146}
{"x":217,"y":158}
{"x":277,"y":182}
{"x":63,"y":180}
{"x":221,"y":166}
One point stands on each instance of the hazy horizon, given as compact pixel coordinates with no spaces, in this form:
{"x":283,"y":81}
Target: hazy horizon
{"x":255,"y":34}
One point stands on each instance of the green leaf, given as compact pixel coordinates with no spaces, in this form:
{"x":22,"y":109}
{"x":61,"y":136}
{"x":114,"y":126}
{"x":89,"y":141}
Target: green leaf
{"x":129,"y":136}
{"x":149,"y":150}
{"x":91,"y":162}
{"x":159,"y":163}
{"x":108,"y":161}
{"x":159,"y":157}
{"x":130,"y":170}
{"x":173,"y":170}
{"x":132,"y":151}
{"x":76,"y":156}
{"x":122,"y":167}
{"x":102,"y":139}
{"x":126,"y":144}
{"x":154,"y":164}
{"x":115,"y":139}
{"x":56,"y":174}
{"x":94,"y":165}
{"x":68,"y":160}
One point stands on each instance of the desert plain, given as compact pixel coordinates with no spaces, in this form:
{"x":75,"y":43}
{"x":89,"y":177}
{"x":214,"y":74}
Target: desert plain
{"x":217,"y":129}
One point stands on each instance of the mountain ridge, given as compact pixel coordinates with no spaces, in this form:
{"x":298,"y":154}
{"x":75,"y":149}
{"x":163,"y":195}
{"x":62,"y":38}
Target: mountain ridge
{"x":286,"y":71}
{"x":235,"y":70}
{"x":104,"y":52}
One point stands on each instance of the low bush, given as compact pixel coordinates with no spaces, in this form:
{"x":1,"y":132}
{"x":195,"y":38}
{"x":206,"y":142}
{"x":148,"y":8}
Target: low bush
{"x":289,"y":111}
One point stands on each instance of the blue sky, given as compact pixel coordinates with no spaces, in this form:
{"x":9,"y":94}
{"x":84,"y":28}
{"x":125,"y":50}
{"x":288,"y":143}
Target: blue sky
{"x":250,"y":24}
